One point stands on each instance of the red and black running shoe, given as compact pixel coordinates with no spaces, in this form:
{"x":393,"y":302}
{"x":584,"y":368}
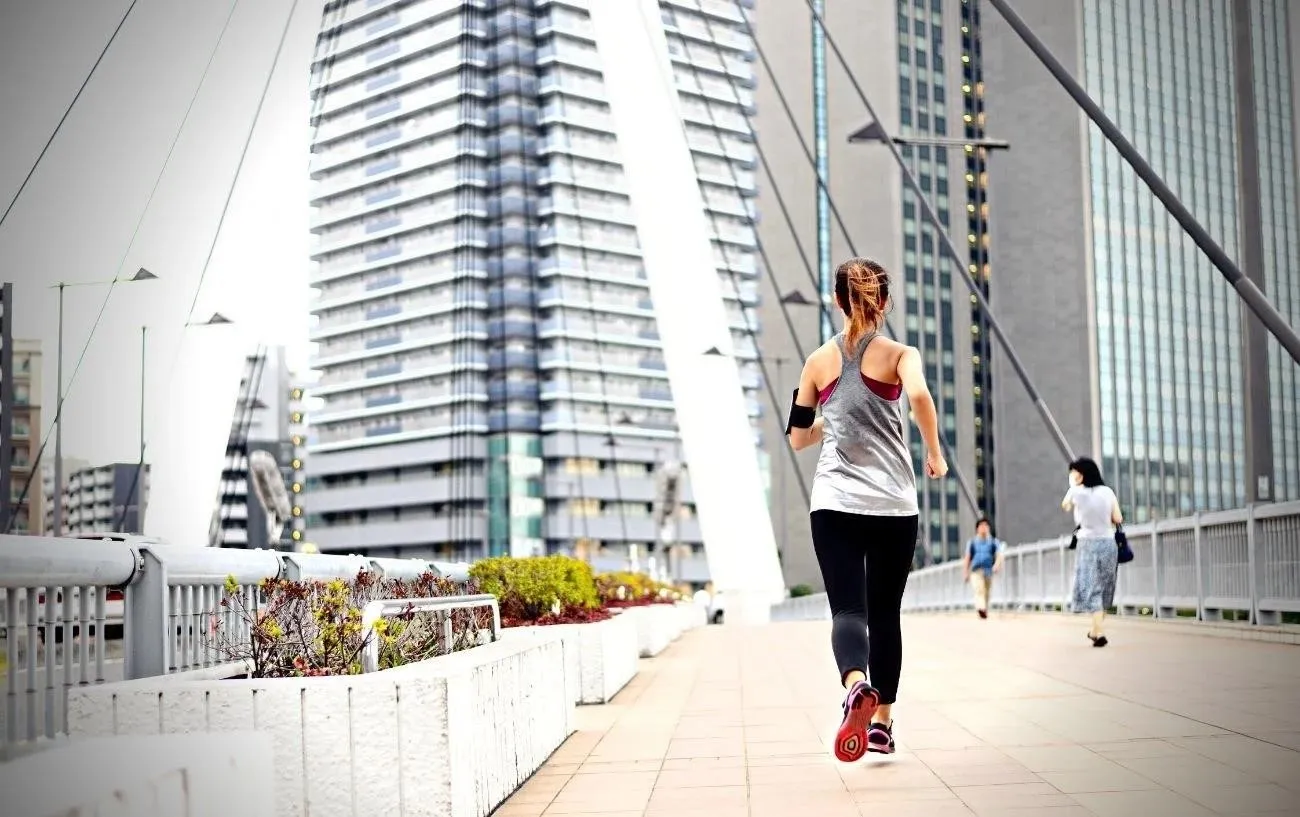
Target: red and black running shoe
{"x":859,"y":706}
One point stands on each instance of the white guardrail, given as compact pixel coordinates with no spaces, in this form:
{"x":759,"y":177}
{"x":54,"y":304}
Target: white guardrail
{"x":60,"y":598}
{"x":1244,"y":561}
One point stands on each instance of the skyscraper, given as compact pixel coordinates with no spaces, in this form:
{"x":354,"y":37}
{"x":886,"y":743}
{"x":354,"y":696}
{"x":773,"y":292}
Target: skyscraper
{"x":1134,"y":338}
{"x":908,"y":57}
{"x":494,"y":370}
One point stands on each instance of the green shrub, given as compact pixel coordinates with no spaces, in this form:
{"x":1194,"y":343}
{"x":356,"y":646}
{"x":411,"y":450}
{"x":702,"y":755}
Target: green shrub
{"x":537,"y":587}
{"x":800,"y":590}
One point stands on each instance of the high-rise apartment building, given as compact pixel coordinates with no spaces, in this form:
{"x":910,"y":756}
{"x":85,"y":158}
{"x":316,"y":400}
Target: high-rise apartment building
{"x":493,"y":377}
{"x":25,"y":436}
{"x":1133,"y":337}
{"x":104,"y":499}
{"x":915,"y":60}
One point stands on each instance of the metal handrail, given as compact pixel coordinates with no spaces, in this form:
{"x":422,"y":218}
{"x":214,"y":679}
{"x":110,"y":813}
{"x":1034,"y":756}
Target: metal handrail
{"x":380,"y":608}
{"x":1245,"y":559}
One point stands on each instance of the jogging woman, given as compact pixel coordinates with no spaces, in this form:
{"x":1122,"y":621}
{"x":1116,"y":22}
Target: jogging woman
{"x":864,"y":510}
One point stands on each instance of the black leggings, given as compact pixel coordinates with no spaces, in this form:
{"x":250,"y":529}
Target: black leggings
{"x":865,"y":561}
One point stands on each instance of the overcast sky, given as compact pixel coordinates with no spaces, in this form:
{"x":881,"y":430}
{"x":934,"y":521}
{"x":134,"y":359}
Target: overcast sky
{"x":74,"y":221}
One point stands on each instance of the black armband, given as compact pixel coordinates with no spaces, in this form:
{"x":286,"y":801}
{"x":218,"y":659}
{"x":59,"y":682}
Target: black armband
{"x":800,"y":416}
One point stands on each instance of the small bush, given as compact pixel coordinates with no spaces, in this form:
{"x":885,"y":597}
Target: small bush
{"x":540,"y":589}
{"x":800,"y":590}
{"x":625,"y":589}
{"x":313,"y":628}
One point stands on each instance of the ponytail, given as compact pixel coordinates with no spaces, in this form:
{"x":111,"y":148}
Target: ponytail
{"x":862,"y":291}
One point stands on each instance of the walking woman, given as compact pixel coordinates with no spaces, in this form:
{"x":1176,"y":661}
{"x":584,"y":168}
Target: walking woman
{"x":1096,"y":512}
{"x":864,"y":510}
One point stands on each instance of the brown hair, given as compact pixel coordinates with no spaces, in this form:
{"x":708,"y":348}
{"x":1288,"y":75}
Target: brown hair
{"x":862,"y":291}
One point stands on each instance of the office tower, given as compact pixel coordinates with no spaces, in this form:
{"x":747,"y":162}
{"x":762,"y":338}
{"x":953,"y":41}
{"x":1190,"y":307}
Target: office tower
{"x":493,"y":377}
{"x":908,"y":57}
{"x":1131,"y":334}
{"x":267,"y":417}
{"x":20,"y":383}
{"x":98,"y":499}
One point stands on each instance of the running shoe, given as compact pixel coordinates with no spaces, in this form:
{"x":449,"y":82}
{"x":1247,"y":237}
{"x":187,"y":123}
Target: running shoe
{"x":859,"y":706}
{"x":880,"y":738}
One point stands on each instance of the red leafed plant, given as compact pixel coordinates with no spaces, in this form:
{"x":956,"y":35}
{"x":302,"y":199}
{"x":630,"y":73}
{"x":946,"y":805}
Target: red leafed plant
{"x":285,"y":629}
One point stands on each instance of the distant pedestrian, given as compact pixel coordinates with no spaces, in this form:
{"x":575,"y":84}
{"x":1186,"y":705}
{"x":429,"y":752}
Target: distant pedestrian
{"x":983,"y":558}
{"x":1096,"y":512}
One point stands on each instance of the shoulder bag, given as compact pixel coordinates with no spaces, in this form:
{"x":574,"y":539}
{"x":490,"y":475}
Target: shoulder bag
{"x":1121,"y":539}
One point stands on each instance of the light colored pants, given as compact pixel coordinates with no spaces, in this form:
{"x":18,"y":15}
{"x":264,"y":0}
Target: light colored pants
{"x":981,"y":582}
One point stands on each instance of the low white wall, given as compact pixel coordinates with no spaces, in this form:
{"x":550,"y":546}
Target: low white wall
{"x":600,"y":658}
{"x":658,"y":625}
{"x":454,"y":736}
{"x":692,"y":615}
{"x":160,"y":776}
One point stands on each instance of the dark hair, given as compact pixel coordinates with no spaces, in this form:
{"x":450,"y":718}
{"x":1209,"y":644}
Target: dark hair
{"x":1091,"y":473}
{"x":862,"y":292}
{"x":984,"y":520}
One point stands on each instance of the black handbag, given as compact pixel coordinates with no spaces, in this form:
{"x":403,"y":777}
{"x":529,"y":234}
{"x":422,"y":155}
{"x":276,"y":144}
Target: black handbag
{"x":1121,"y":539}
{"x":1074,"y":538}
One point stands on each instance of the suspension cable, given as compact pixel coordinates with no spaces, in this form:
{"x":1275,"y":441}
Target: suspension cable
{"x":234,"y":181}
{"x":72,"y":379}
{"x":32,"y":171}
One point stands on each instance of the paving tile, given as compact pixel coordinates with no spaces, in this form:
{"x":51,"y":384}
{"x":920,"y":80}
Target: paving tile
{"x":733,"y":721}
{"x":1161,"y":803}
{"x":1114,"y":778}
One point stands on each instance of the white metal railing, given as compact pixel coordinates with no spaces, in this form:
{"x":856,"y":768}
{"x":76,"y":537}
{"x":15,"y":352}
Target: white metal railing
{"x":380,"y":608}
{"x":1244,"y":561}
{"x":60,"y":597}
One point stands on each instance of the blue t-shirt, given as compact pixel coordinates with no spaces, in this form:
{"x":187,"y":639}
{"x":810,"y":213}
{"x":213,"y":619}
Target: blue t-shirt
{"x":983,"y":553}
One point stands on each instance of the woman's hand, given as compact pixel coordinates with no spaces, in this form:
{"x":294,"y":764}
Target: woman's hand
{"x":935,"y":465}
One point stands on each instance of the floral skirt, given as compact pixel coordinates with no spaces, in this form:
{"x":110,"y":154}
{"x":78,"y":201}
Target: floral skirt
{"x":1094,"y":575}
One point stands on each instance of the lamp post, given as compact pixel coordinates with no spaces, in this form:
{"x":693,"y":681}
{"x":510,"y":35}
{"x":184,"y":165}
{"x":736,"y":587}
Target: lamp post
{"x":141,"y":274}
{"x":137,"y":493}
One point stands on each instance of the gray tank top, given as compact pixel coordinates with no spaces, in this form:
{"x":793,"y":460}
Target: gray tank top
{"x":865,"y":466}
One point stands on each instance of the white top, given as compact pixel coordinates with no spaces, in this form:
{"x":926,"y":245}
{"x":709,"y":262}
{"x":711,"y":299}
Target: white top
{"x":1092,"y":511}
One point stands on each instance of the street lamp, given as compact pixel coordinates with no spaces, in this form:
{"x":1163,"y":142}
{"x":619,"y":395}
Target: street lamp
{"x":141,"y":274}
{"x":874,"y":132}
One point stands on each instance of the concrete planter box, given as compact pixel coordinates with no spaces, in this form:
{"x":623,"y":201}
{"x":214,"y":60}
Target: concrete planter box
{"x":658,"y":625}
{"x":157,"y":776}
{"x":454,"y":735}
{"x":693,"y":615}
{"x":600,"y":658}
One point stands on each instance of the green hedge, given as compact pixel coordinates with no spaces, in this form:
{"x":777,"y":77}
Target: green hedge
{"x":532,"y":588}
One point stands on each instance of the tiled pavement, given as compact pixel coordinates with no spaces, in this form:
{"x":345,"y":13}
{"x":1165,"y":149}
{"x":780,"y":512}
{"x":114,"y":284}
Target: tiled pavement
{"x":1017,"y":715}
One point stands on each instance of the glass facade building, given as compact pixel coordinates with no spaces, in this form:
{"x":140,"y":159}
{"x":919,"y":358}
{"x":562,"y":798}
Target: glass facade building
{"x":929,"y":107}
{"x":490,"y":367}
{"x":1168,"y":326}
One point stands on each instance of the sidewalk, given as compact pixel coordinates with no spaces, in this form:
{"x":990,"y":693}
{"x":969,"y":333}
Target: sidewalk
{"x":1017,"y":715}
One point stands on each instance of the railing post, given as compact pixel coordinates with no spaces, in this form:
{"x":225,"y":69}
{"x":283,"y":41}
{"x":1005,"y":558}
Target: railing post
{"x":1064,"y":548}
{"x":146,"y":642}
{"x":1197,"y":550}
{"x":1157,"y":574}
{"x":1256,"y":566}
